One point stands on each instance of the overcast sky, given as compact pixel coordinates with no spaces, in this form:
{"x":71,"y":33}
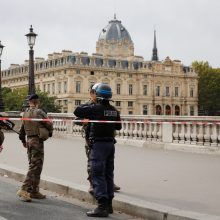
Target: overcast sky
{"x":187,"y":30}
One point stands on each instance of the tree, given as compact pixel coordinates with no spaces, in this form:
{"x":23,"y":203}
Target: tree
{"x":13,"y":100}
{"x":48,"y":102}
{"x":209,"y":88}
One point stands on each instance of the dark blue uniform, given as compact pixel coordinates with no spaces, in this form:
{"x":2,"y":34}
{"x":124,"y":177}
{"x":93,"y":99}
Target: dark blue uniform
{"x":102,"y":146}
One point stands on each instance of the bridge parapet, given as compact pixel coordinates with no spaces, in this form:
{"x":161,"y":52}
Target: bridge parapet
{"x":202,"y":131}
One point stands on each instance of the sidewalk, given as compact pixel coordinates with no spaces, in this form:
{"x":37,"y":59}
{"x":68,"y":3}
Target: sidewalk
{"x":183,"y":181}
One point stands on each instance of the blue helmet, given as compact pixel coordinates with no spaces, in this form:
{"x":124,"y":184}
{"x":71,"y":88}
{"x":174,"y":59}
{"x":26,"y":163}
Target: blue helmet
{"x":103,"y":91}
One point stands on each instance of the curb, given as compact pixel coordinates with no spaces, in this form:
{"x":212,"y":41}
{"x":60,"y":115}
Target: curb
{"x":123,"y":203}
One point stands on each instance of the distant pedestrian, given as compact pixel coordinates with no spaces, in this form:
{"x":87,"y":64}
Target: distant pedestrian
{"x":37,"y":132}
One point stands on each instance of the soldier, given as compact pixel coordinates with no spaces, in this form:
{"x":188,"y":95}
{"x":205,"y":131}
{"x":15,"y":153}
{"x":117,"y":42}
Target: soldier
{"x":101,"y":137}
{"x":37,"y":132}
{"x":2,"y":137}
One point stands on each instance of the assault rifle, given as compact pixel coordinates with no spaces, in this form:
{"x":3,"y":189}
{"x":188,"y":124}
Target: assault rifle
{"x":7,"y":124}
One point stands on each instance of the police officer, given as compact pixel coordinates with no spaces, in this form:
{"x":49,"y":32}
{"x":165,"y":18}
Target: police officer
{"x":37,"y":132}
{"x":86,"y":129}
{"x":101,"y":136}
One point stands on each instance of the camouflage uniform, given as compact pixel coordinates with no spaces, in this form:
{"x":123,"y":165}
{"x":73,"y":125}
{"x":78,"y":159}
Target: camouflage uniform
{"x":35,"y":147}
{"x":2,"y":137}
{"x":86,"y":131}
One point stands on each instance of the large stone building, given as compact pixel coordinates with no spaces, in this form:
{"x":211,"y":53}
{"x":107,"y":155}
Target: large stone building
{"x":139,"y":87}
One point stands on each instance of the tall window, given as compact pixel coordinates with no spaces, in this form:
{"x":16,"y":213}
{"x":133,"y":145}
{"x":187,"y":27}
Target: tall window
{"x":191,"y":110}
{"x":44,"y":87}
{"x":77,"y":102}
{"x":53,"y":88}
{"x":59,"y":87}
{"x":130,"y":89}
{"x":145,"y":110}
{"x":65,"y":86}
{"x":91,"y":84}
{"x":77,"y":71}
{"x":48,"y":88}
{"x":158,"y":91}
{"x":191,"y":92}
{"x":144,"y":89}
{"x":118,"y":103}
{"x":118,"y":89}
{"x":176,"y":91}
{"x":167,"y":91}
{"x":78,"y":85}
{"x":130,"y":104}
{"x":65,"y":102}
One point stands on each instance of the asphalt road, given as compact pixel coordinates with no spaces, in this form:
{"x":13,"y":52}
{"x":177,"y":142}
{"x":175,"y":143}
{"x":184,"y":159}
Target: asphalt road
{"x":187,"y":181}
{"x":54,"y":207}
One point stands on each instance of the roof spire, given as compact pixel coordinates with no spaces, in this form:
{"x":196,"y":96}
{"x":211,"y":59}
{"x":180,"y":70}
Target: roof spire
{"x":154,"y":55}
{"x":114,"y":16}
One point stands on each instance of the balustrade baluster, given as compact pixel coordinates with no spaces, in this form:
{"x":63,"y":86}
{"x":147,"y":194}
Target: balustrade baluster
{"x":200,"y":135}
{"x":154,"y":132}
{"x":194,"y":134}
{"x":182,"y":134}
{"x":149,"y":132}
{"x":159,"y":133}
{"x":144,"y":131}
{"x":176,"y":133}
{"x":187,"y":134}
{"x":214,"y":136}
{"x":207,"y":135}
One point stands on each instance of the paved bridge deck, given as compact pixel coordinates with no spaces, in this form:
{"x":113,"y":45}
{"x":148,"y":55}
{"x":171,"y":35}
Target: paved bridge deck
{"x":187,"y":181}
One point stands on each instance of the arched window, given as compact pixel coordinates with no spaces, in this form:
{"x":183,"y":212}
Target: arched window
{"x":158,"y":110}
{"x":177,"y":110}
{"x":168,"y":110}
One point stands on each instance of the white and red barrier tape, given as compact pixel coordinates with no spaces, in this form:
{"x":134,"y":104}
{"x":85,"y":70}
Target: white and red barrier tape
{"x":103,"y":121}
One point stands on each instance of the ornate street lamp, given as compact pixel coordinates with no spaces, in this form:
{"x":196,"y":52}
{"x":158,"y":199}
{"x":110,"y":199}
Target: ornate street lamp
{"x":1,"y":100}
{"x":31,"y":37}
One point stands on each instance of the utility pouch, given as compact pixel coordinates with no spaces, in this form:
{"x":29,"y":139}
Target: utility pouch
{"x":43,"y":133}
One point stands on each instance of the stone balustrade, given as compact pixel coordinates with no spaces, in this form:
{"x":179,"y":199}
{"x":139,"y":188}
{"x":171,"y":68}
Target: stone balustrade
{"x":184,"y":130}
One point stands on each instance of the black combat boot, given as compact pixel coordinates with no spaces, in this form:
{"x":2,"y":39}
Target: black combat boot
{"x":101,"y":210}
{"x":110,"y":208}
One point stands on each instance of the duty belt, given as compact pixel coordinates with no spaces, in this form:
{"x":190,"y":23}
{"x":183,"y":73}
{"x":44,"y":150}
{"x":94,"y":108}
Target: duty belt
{"x":30,"y":136}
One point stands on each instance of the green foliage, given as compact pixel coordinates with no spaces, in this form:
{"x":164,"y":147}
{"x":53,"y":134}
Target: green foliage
{"x":209,"y":88}
{"x":14,"y":99}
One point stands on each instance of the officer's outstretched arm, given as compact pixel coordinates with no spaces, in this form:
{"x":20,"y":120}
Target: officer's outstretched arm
{"x":84,"y":111}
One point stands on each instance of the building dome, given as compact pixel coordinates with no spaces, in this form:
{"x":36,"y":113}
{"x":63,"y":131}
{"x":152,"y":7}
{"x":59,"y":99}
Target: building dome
{"x":115,"y":41}
{"x":114,"y":31}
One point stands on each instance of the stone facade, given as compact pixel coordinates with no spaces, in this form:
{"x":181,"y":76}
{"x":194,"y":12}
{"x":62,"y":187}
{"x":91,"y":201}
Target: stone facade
{"x":139,"y":87}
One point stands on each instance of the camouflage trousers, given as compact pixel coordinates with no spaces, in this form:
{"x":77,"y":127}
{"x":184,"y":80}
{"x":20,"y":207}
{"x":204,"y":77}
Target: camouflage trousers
{"x":88,"y":152}
{"x":35,"y":152}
